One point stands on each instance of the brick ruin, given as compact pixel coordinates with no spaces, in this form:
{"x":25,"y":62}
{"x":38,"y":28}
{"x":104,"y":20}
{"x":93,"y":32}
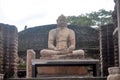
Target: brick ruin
{"x":109,"y":52}
{"x":115,"y":35}
{"x":8,"y":49}
{"x":106,"y":48}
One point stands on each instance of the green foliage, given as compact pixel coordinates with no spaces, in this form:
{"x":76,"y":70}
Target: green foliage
{"x":22,"y":66}
{"x":98,"y":18}
{"x":80,"y":20}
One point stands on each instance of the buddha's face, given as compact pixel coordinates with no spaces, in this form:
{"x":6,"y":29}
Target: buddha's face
{"x":62,"y":21}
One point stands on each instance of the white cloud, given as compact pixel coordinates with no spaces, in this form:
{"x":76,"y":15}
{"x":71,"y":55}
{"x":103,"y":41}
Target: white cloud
{"x":42,"y":12}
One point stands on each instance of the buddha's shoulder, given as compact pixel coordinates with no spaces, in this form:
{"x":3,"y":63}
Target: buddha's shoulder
{"x":70,"y":30}
{"x":52,"y":31}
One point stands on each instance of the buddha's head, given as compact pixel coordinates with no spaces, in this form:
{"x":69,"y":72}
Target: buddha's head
{"x":62,"y":21}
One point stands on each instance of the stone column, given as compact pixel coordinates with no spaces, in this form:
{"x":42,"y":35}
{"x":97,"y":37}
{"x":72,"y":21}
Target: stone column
{"x":30,"y":55}
{"x":118,"y":23}
{"x":1,"y":51}
{"x":114,"y":72}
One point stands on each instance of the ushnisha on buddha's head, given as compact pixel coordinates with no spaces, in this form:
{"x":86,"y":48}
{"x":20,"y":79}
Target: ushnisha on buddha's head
{"x":62,"y":21}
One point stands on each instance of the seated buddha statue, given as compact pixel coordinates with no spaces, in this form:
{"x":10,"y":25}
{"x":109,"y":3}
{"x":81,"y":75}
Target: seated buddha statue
{"x":61,"y":42}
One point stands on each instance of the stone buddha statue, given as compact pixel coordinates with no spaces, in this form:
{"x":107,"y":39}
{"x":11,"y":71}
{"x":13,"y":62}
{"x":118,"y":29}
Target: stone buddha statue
{"x":61,"y":42}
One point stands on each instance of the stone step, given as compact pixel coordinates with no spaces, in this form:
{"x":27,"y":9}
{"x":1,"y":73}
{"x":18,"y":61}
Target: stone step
{"x":62,"y":78}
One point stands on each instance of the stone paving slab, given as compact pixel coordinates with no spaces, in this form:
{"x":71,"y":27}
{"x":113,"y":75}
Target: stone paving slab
{"x":62,"y":78}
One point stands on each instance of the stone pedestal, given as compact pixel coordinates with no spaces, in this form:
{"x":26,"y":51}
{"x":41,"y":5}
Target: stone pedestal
{"x":59,"y":70}
{"x":62,"y":70}
{"x":30,"y":55}
{"x":114,"y":73}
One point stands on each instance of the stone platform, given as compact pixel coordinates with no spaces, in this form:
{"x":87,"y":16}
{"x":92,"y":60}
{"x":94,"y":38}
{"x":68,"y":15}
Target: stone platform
{"x":73,"y":63}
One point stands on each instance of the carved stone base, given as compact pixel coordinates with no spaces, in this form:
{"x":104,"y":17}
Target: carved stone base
{"x":70,"y":70}
{"x":58,"y":70}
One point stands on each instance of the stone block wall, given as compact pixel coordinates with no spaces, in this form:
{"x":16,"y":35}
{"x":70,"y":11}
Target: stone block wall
{"x":116,"y":52}
{"x":1,"y":50}
{"x":106,"y":48}
{"x":8,"y":49}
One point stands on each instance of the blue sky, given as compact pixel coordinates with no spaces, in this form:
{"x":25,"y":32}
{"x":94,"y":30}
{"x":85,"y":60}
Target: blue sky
{"x":42,"y":12}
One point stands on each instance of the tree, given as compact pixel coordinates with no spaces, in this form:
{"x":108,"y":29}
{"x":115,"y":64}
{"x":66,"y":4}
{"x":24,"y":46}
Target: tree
{"x":101,"y":17}
{"x":80,"y":20}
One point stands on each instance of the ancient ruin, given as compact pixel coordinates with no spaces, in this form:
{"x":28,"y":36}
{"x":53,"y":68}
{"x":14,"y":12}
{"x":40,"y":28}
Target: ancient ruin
{"x":63,"y":49}
{"x":61,"y":42}
{"x":109,"y":52}
{"x":8,"y":49}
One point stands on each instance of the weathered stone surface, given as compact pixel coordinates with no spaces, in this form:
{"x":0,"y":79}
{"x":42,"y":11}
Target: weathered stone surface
{"x":106,"y":48}
{"x":30,"y":55}
{"x":9,"y":49}
{"x":61,"y":41}
{"x":62,"y":78}
{"x":63,"y":49}
{"x":114,"y":73}
{"x":58,"y":71}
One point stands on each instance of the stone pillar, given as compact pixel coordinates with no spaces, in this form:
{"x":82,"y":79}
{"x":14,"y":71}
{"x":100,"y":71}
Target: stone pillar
{"x":118,"y":23}
{"x":114,"y":73}
{"x":106,"y":48}
{"x":30,"y":55}
{"x":1,"y":51}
